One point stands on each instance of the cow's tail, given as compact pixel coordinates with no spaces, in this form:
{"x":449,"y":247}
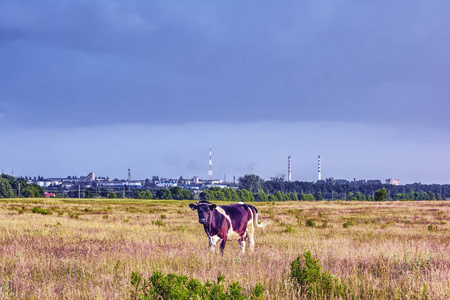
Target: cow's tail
{"x":255,"y":219}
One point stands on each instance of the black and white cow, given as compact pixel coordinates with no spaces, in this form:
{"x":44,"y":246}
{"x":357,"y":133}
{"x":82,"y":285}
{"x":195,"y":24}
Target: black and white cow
{"x":228,"y":222}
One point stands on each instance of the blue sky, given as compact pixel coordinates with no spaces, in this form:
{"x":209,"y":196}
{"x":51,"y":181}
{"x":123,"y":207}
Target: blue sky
{"x":106,"y":85}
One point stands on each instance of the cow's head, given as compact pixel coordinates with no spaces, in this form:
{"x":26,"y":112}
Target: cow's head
{"x":204,"y":209}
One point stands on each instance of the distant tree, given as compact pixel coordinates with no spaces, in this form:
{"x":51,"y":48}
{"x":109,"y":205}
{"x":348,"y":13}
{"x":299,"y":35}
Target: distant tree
{"x":278,"y":178}
{"x":318,"y":196}
{"x":143,"y":194}
{"x":360,"y":196}
{"x":112,"y":195}
{"x":163,"y":194}
{"x":203,"y":195}
{"x":250,"y":182}
{"x":306,"y":197}
{"x":177,"y":193}
{"x":187,"y":195}
{"x":20,"y":182}
{"x":216,"y":193}
{"x":279,"y":195}
{"x":230,"y":194}
{"x":148,"y":194}
{"x":381,"y":195}
{"x":103,"y":192}
{"x":260,"y":196}
{"x":137,"y":194}
{"x":245,"y":195}
{"x":5,"y":189}
{"x":351,"y":196}
{"x":293,"y":196}
{"x":334,"y":195}
{"x":11,"y":180}
{"x":33,"y":191}
{"x":89,"y":193}
{"x":273,"y":198}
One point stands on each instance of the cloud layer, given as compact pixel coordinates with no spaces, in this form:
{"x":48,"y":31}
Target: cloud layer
{"x":110,"y":62}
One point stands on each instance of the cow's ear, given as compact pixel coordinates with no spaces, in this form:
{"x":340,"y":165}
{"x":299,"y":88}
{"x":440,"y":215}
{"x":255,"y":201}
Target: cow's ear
{"x":193,"y":206}
{"x":212,"y":207}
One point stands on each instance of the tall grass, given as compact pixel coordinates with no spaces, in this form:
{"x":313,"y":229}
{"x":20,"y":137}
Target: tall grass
{"x":387,"y":251}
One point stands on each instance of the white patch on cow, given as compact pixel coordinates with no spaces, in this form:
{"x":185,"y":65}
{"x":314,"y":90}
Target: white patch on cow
{"x":231,"y":235}
{"x":240,"y":203}
{"x":251,"y":231}
{"x":213,"y":240}
{"x":242,"y":244}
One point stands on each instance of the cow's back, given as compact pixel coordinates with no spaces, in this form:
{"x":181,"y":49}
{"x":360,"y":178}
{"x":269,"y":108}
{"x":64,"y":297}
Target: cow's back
{"x":240,"y":215}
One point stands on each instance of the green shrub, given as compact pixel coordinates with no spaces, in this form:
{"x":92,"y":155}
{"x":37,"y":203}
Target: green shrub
{"x":158,"y":223}
{"x":310,"y":280}
{"x":74,"y":215}
{"x":288,"y":229}
{"x":172,"y":286}
{"x":310,"y":223}
{"x":348,"y":223}
{"x":432,"y":227}
{"x":39,"y":210}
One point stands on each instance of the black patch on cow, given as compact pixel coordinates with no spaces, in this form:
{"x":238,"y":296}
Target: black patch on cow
{"x":220,"y":225}
{"x":240,"y":215}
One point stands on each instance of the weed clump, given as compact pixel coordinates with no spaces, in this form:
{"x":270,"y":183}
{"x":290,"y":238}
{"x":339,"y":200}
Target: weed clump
{"x":310,"y":223}
{"x":348,"y":223}
{"x":172,"y":286}
{"x":42,"y":211}
{"x":288,"y":229}
{"x":432,"y":227}
{"x":158,"y":223}
{"x":310,"y":280}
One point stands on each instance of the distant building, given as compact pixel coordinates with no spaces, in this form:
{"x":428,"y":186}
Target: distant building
{"x":119,"y":184}
{"x":167,"y":184}
{"x":222,"y":186}
{"x":44,"y":183}
{"x":393,"y":181}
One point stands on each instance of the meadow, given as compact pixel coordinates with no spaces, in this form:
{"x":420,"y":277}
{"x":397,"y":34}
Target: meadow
{"x":88,"y":249}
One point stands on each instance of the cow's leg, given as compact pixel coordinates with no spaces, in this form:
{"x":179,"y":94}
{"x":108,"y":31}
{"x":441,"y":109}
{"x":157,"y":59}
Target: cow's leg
{"x":212,"y":247}
{"x":251,"y":241}
{"x":242,"y":244}
{"x":222,"y":245}
{"x":212,"y":243}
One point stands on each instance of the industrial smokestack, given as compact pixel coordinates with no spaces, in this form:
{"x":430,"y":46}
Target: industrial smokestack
{"x":289,"y":168}
{"x":210,"y":174}
{"x":320,"y":173}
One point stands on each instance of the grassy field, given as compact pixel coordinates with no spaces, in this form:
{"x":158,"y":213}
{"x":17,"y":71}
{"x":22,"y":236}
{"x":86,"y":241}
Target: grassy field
{"x":87,"y":249}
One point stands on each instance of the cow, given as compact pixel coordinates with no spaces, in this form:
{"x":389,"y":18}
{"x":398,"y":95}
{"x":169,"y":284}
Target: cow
{"x":228,"y":222}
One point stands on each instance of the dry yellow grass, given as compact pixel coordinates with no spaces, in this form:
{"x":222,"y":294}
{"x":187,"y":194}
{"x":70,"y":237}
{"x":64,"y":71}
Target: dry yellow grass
{"x":87,"y":249}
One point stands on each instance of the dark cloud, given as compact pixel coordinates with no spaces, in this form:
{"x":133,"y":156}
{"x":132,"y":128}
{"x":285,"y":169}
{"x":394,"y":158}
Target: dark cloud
{"x":107,"y":62}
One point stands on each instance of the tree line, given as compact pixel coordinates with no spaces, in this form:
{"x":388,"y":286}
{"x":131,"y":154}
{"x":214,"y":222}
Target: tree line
{"x":10,"y":187}
{"x":331,"y":189}
{"x":251,"y":187}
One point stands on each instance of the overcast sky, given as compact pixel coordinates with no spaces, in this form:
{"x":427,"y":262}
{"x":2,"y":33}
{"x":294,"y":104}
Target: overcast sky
{"x":106,"y":85}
